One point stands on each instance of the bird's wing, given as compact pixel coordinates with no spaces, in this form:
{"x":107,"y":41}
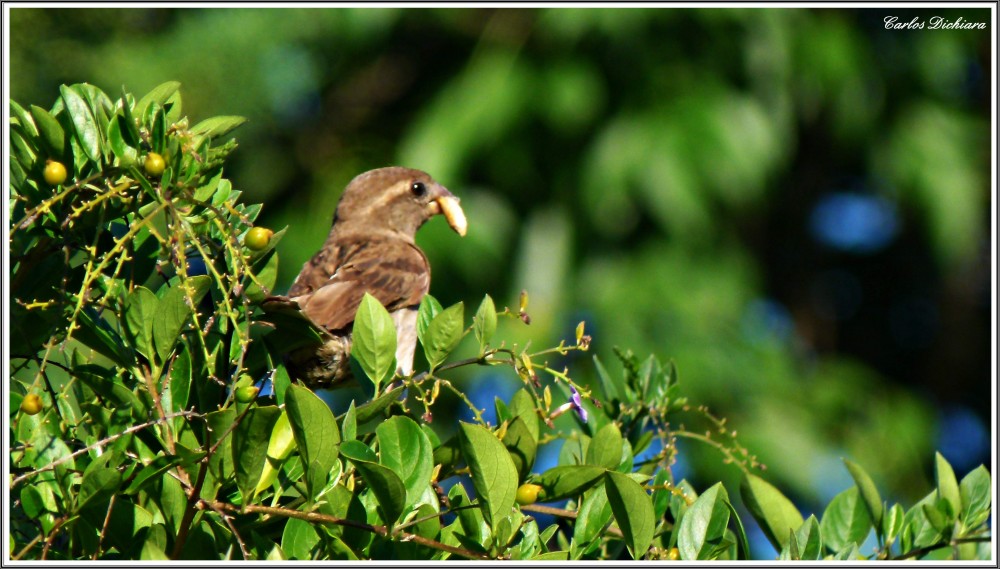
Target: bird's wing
{"x":394,"y":272}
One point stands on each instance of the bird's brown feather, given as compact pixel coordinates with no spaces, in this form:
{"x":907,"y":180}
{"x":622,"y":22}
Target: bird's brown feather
{"x":396,"y":273}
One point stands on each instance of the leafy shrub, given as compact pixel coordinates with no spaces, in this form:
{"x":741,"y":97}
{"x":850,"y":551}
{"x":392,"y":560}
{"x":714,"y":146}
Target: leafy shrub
{"x":139,"y":432}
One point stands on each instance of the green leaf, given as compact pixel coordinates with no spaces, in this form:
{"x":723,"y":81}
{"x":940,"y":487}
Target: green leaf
{"x":84,"y":122}
{"x":591,"y":519}
{"x":374,"y":341}
{"x":892,"y":522}
{"x":280,"y":444}
{"x":662,"y":494}
{"x":349,"y":423}
{"x":918,"y":530}
{"x":567,"y":481}
{"x":443,"y":334}
{"x":173,"y":313}
{"x":845,"y":520}
{"x":606,"y":447}
{"x":280,"y":380}
{"x":742,"y":543}
{"x":552,"y":556}
{"x":267,"y":275}
{"x":159,"y":96}
{"x":299,"y":539}
{"x":386,"y":486}
{"x":633,"y":510}
{"x":53,"y":136}
{"x":406,"y":450}
{"x":773,"y":511}
{"x":522,"y":447}
{"x":869,"y":493}
{"x":485,"y":323}
{"x":180,"y":380}
{"x":106,"y":385}
{"x":24,"y":119}
{"x":217,"y":126}
{"x":221,"y":461}
{"x":370,"y":410}
{"x":129,"y":127}
{"x":810,"y":541}
{"x":610,"y":385}
{"x":947,"y":485}
{"x":703,"y":527}
{"x":357,"y":450}
{"x":250,"y":444}
{"x":172,"y":108}
{"x":316,"y":434}
{"x":152,"y":472}
{"x":32,"y":501}
{"x":976,"y":497}
{"x":938,"y":515}
{"x":429,"y":308}
{"x":471,"y":519}
{"x":141,"y":307}
{"x":95,"y":333}
{"x":101,"y":480}
{"x":849,"y":552}
{"x":523,"y":406}
{"x":494,"y":475}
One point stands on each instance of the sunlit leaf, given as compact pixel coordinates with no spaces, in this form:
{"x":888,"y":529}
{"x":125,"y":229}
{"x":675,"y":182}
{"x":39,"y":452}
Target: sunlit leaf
{"x":374,"y":340}
{"x":633,"y":510}
{"x":494,"y":475}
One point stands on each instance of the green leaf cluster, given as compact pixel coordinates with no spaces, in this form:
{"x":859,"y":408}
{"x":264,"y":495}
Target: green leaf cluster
{"x":137,"y":318}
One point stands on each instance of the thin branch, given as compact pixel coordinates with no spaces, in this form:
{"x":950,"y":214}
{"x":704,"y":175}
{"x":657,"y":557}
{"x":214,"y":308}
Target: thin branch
{"x":99,"y":444}
{"x":232,"y":527}
{"x":104,"y":527}
{"x":927,"y":549}
{"x":570,"y":514}
{"x":314,"y":517}
{"x":189,"y":510}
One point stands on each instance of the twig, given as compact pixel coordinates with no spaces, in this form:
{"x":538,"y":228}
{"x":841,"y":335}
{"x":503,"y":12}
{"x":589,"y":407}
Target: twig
{"x":232,"y":527}
{"x":189,"y":510}
{"x":323,"y":518}
{"x":929,"y":548}
{"x":104,"y":527}
{"x":52,"y":537}
{"x":99,"y":444}
{"x":570,"y":514}
{"x":26,"y":548}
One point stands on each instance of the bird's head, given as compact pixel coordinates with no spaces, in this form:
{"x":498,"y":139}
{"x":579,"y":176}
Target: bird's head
{"x":398,"y":200}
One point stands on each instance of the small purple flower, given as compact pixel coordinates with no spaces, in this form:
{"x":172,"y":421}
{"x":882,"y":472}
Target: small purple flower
{"x":575,"y":403}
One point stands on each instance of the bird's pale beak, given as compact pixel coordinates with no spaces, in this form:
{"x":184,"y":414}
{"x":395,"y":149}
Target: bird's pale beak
{"x":448,"y":205}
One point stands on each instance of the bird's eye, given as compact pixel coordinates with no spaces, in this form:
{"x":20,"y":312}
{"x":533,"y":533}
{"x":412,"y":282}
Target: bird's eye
{"x":418,"y":189}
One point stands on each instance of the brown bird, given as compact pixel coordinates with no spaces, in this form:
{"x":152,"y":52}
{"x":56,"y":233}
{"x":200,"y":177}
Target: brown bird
{"x":371,"y":249}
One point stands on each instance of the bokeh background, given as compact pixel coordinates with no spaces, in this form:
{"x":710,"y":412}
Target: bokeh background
{"x":792,"y":204}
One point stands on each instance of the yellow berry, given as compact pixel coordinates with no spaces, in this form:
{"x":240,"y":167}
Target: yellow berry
{"x":528,"y":493}
{"x":246,"y":394}
{"x":155,"y":164}
{"x":31,"y":404}
{"x":55,"y":173}
{"x":258,"y":238}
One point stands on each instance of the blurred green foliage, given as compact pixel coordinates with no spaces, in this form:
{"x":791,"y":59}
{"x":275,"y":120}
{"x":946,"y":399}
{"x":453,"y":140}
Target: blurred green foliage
{"x":649,"y":170}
